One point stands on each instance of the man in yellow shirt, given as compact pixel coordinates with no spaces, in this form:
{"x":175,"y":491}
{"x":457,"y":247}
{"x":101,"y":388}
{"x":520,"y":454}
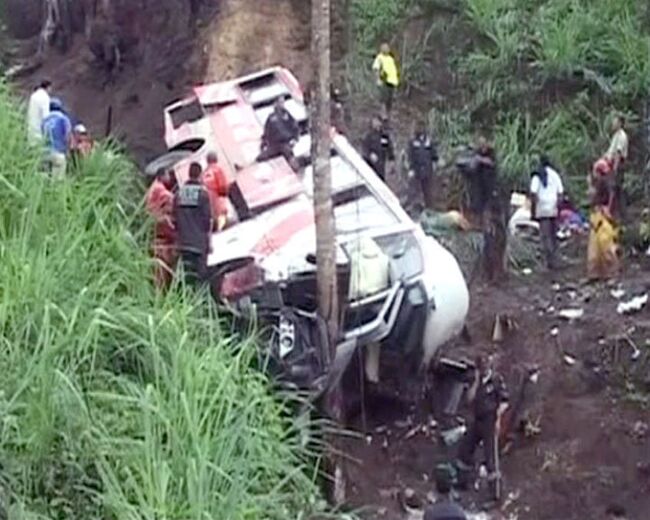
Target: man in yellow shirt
{"x":387,"y":76}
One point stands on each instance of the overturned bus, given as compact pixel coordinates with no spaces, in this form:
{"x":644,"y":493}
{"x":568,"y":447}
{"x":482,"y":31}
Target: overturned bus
{"x":399,"y":289}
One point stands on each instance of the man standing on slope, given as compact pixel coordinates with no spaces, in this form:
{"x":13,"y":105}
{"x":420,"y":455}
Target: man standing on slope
{"x":57,"y":132}
{"x":423,"y":157}
{"x":160,"y":204}
{"x":193,"y":218}
{"x":387,"y":76}
{"x":377,"y":148}
{"x":37,"y":110}
{"x":216,"y":182}
{"x":546,"y":192}
{"x":489,"y":397}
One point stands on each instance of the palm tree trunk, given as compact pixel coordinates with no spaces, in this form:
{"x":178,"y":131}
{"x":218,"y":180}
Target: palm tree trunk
{"x":324,"y":216}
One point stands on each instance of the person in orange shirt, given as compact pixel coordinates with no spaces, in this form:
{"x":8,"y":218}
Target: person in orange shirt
{"x":216,"y":182}
{"x":160,"y":204}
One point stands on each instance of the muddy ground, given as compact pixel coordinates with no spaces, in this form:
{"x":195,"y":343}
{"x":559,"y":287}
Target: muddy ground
{"x":592,"y":449}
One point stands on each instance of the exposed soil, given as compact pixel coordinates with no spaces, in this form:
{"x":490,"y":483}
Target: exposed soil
{"x":587,"y":454}
{"x":251,"y":34}
{"x":160,"y":64}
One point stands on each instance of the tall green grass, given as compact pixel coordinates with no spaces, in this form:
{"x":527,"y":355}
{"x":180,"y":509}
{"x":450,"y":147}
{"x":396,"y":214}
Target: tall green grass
{"x":117,"y":402}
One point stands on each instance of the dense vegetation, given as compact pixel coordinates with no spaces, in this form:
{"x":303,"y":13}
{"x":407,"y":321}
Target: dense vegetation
{"x":535,"y":75}
{"x":115,"y":401}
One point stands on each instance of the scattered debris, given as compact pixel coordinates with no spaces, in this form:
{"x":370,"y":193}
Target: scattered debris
{"x":571,"y":314}
{"x":512,"y":497}
{"x":410,"y":502}
{"x":634,"y":305}
{"x":640,"y":430}
{"x":452,"y":436}
{"x":413,"y":431}
{"x":617,"y":293}
{"x":569,"y":360}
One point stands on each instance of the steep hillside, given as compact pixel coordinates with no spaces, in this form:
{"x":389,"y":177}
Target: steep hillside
{"x":160,"y":56}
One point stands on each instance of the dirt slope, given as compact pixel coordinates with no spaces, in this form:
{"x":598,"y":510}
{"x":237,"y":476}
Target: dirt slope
{"x":252,"y":34}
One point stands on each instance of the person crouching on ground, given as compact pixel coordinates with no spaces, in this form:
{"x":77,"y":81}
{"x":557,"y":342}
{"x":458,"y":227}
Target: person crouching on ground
{"x":281,"y":132}
{"x":160,"y":204}
{"x":445,"y":508}
{"x":423,"y":158}
{"x":193,"y":218}
{"x":216,"y":182}
{"x":57,"y":132}
{"x":489,"y":397}
{"x":546,"y":192}
{"x":387,"y":72}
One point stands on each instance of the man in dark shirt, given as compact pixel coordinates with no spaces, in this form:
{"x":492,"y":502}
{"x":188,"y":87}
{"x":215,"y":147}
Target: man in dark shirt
{"x":489,"y":397}
{"x":423,"y":156}
{"x":193,"y":217}
{"x":480,"y":176}
{"x":281,"y":131}
{"x":378,"y":148}
{"x":445,"y":508}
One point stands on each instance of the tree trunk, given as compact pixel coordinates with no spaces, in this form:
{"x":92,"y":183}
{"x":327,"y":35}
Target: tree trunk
{"x":324,"y":216}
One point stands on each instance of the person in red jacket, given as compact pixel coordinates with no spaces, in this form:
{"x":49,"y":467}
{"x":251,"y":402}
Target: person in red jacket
{"x":216,"y":182}
{"x":160,"y":205}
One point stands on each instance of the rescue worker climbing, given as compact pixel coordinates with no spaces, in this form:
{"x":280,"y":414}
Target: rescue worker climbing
{"x":489,"y":397}
{"x":216,"y":182}
{"x":423,"y":158}
{"x":377,"y":148}
{"x":281,"y":131}
{"x":193,"y":218}
{"x":160,"y":203}
{"x":387,"y":72}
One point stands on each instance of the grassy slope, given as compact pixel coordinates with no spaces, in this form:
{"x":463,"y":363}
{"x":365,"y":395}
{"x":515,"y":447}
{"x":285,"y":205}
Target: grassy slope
{"x":116,"y":402}
{"x":535,"y":75}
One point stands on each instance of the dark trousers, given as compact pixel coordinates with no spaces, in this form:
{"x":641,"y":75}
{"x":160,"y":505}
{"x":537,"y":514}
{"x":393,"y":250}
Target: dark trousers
{"x":481,"y":430}
{"x":426,"y":183}
{"x":548,"y":238}
{"x":194,"y":266}
{"x":380,"y":169}
{"x":271,"y":151}
{"x":387,"y":93}
{"x":618,"y":209}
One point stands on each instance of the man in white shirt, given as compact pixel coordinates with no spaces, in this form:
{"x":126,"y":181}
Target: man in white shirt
{"x":37,"y":110}
{"x":616,"y":156}
{"x":546,"y":192}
